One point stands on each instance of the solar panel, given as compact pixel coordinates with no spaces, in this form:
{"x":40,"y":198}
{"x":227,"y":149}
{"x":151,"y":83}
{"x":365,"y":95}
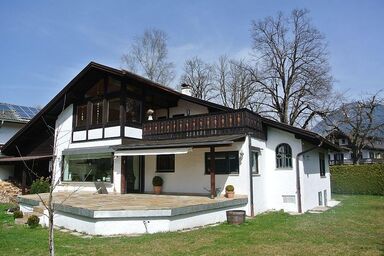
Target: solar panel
{"x":22,"y":112}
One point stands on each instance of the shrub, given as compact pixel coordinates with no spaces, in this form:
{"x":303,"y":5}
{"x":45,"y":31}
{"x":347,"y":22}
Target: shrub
{"x":18,"y":214}
{"x":358,"y":179}
{"x":40,"y":186}
{"x":157,"y":181}
{"x":14,"y":208}
{"x":229,"y":188}
{"x":33,"y":221}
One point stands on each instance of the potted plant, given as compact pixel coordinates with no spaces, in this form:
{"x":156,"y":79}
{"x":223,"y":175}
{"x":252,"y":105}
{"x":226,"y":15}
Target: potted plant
{"x":157,"y":183}
{"x":229,"y":191}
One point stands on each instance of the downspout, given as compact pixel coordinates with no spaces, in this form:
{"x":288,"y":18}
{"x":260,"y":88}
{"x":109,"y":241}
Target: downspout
{"x":298,"y":187}
{"x":250,"y":176}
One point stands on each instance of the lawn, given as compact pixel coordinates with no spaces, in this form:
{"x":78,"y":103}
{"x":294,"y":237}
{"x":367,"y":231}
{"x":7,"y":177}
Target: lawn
{"x":355,"y":227}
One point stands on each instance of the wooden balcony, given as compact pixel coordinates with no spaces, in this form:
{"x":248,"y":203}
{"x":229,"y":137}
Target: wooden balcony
{"x":223,"y":123}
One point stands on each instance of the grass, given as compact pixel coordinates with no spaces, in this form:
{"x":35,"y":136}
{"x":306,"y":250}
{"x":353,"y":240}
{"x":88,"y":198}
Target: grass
{"x":356,"y":227}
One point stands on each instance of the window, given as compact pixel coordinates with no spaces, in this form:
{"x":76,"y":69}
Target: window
{"x":113,"y":110}
{"x":371,"y":155}
{"x":97,"y":112}
{"x":322,"y":164}
{"x":81,"y":115}
{"x":283,"y":156}
{"x":165,"y":163}
{"x":92,"y":167}
{"x":133,"y":111}
{"x":255,"y":162}
{"x":225,"y":162}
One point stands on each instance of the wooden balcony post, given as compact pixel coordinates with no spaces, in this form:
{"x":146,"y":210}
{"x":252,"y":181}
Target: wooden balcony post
{"x":212,"y":173}
{"x":23,"y":181}
{"x":123,"y":174}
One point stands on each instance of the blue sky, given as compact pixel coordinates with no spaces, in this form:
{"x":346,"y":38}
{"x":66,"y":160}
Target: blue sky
{"x":44,"y":44}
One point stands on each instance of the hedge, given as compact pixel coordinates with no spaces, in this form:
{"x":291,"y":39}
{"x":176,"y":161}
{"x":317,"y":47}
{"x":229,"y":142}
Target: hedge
{"x":365,"y":179}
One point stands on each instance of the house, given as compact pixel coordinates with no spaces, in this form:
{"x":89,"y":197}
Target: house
{"x":113,"y":127}
{"x":373,"y":152}
{"x":12,"y":119}
{"x":342,"y":133}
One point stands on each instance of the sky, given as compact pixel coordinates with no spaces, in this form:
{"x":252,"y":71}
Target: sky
{"x":45,"y":44}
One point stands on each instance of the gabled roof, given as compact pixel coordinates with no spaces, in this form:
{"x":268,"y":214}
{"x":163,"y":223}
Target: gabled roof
{"x":301,"y":133}
{"x":47,"y":116}
{"x":42,"y":124}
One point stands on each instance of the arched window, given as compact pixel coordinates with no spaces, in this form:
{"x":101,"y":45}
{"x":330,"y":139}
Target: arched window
{"x":283,"y":156}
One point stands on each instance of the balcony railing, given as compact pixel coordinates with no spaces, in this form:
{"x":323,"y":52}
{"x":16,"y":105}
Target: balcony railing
{"x":223,"y":123}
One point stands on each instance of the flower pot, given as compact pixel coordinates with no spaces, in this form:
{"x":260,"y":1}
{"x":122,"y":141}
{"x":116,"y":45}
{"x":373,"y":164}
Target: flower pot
{"x":236,"y":217}
{"x":230,"y":194}
{"x":157,"y":189}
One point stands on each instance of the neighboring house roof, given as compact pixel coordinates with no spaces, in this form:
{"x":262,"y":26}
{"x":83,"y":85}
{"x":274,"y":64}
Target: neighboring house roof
{"x":16,"y":113}
{"x":325,"y":129}
{"x":43,"y":122}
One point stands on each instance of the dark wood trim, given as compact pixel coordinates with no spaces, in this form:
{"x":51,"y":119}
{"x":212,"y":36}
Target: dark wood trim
{"x":23,"y":181}
{"x":142,"y":174}
{"x":212,"y":172}
{"x":123,"y":174}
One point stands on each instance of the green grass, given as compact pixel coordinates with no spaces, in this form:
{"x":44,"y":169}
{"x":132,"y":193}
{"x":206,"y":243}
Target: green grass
{"x":356,"y":227}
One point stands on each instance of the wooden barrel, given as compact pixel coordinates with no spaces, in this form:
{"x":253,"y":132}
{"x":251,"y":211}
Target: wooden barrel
{"x":236,"y":217}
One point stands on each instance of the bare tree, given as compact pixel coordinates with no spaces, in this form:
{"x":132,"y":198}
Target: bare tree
{"x":148,"y":56}
{"x":49,"y":202}
{"x":235,"y":85}
{"x":200,"y":76}
{"x":291,"y":67}
{"x":359,"y":122}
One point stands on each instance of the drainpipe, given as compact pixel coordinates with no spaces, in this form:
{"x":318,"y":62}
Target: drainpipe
{"x":298,"y":188}
{"x":250,"y":176}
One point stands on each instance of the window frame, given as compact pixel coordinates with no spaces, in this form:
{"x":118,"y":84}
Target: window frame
{"x":109,"y":122}
{"x":285,"y":162}
{"x":227,"y":155}
{"x":168,"y":157}
{"x":88,"y":157}
{"x":322,"y":170}
{"x":257,"y":171}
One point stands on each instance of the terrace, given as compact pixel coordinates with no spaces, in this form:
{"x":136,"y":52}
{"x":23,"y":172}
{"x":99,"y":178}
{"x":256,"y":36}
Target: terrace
{"x":111,"y":214}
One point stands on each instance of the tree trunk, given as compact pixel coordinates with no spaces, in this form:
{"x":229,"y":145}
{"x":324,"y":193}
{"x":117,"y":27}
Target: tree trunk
{"x":51,"y":238}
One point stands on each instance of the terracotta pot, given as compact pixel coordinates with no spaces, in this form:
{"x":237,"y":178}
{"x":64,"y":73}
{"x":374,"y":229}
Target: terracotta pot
{"x":230,"y":194}
{"x":157,"y":189}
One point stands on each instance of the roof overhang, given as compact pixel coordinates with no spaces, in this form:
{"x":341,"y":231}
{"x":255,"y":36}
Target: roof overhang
{"x":151,"y":152}
{"x":200,"y":142}
{"x":23,"y":158}
{"x":88,"y":150}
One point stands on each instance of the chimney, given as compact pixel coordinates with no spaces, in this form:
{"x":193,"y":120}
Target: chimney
{"x":186,"y":89}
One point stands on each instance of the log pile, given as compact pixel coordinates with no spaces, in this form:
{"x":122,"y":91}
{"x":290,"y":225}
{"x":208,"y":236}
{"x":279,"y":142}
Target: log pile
{"x":9,"y":192}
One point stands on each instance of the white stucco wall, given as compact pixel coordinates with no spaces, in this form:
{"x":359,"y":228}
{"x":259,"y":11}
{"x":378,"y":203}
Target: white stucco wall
{"x":311,"y":181}
{"x":63,"y":133}
{"x":260,"y":196}
{"x":7,"y":130}
{"x":189,"y":175}
{"x":280,"y":182}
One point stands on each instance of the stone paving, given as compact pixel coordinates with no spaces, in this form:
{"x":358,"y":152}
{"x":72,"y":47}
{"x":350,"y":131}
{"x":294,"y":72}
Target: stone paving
{"x":114,"y":202}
